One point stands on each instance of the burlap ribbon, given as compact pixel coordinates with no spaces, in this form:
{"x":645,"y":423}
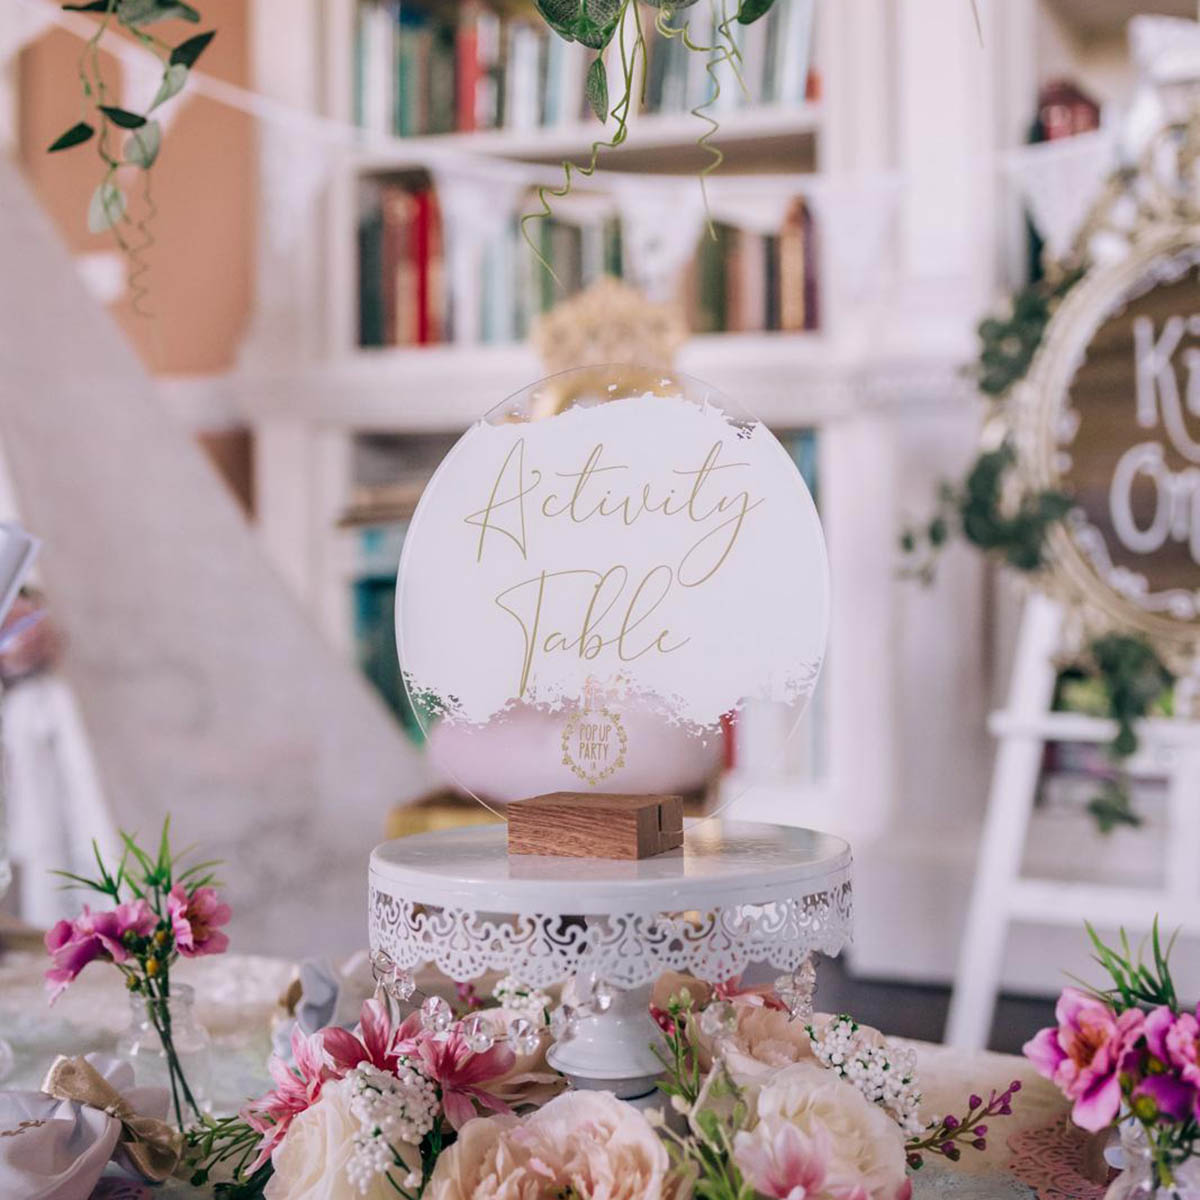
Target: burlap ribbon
{"x":153,"y":1147}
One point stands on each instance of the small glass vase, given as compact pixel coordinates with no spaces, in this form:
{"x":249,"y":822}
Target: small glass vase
{"x":156,"y":1028}
{"x":1137,"y":1180}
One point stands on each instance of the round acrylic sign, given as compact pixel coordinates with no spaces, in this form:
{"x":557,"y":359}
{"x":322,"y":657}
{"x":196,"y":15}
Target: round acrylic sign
{"x":600,"y":577}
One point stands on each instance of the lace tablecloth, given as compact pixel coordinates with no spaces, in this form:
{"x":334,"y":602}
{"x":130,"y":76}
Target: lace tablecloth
{"x":236,"y":997}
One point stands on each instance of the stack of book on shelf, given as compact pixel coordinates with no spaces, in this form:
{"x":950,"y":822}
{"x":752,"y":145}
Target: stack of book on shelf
{"x":744,"y":282}
{"x":773,"y":67}
{"x":739,"y":282}
{"x":402,"y":300}
{"x":403,"y":295}
{"x":425,"y":68}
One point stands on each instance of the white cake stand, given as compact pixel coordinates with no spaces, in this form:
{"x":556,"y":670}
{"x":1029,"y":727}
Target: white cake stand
{"x":736,"y":894}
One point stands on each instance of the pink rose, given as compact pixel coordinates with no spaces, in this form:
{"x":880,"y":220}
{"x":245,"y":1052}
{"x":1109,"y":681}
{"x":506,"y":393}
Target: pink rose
{"x":195,"y":917}
{"x":1083,"y":1056}
{"x":93,"y":936}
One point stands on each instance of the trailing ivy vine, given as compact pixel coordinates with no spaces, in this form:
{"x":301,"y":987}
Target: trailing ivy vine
{"x":596,"y":24}
{"x":1119,"y":676}
{"x":104,"y":124}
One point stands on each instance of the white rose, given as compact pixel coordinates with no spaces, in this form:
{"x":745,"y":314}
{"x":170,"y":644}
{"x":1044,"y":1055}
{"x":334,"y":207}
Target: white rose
{"x":310,"y":1162}
{"x":868,"y":1146}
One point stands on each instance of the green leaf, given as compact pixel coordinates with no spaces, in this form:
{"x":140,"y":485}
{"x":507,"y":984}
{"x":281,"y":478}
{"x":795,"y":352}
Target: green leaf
{"x":94,"y":6}
{"x":73,"y":137}
{"x":750,"y":10}
{"x":145,"y":12}
{"x":174,"y":78}
{"x":595,"y":88}
{"x":187,"y":52}
{"x":142,"y":145}
{"x":560,"y":15}
{"x":106,"y":208}
{"x":122,"y":116}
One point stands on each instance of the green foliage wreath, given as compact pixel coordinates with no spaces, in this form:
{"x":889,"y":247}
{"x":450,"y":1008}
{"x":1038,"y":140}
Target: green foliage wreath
{"x":1118,"y":675}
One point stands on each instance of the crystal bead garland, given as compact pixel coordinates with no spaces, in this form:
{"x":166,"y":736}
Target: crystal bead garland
{"x":436,"y":1015}
{"x":523,"y":1037}
{"x":477,"y":1033}
{"x":562,"y":1019}
{"x":796,"y":991}
{"x":397,"y":983}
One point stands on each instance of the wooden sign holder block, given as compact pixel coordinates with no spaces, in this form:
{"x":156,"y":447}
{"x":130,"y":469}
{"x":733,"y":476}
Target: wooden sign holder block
{"x":595,"y":825}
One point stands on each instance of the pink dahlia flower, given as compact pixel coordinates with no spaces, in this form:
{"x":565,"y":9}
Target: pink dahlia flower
{"x":1084,"y":1055}
{"x":195,"y":917}
{"x":93,"y":936}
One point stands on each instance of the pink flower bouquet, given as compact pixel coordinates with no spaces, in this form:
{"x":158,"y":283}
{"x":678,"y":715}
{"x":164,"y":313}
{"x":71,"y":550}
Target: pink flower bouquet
{"x":444,"y":1105}
{"x":1129,"y":1054}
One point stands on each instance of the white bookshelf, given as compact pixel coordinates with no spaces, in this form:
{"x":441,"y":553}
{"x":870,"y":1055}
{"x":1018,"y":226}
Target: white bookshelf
{"x":764,"y":129}
{"x":906,"y":90}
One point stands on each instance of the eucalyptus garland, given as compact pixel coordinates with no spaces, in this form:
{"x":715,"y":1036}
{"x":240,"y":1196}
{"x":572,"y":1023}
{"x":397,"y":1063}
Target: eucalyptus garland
{"x":1119,"y":676}
{"x":103,"y":123}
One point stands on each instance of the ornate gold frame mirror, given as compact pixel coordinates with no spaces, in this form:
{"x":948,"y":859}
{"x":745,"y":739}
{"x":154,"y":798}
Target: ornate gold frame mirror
{"x":1109,"y":412}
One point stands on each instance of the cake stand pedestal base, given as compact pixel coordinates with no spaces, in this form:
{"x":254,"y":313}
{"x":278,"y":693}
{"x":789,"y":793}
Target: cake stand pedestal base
{"x":612,"y":1051}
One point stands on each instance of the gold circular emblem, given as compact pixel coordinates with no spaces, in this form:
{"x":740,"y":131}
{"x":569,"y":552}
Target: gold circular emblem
{"x":593,"y":744}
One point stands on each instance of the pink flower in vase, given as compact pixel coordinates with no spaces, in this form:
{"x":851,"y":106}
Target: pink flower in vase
{"x":93,"y":936}
{"x":1083,"y":1057}
{"x":456,"y":1068}
{"x":297,"y":1088}
{"x":195,"y":917}
{"x":1173,"y":1077}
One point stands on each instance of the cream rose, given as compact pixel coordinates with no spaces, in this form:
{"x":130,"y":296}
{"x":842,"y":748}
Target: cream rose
{"x":484,"y":1162}
{"x":310,"y":1162}
{"x":762,"y":1040}
{"x":590,"y":1142}
{"x":868,"y":1146}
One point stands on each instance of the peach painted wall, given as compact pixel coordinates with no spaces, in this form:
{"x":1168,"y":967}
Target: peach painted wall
{"x":205,"y":186}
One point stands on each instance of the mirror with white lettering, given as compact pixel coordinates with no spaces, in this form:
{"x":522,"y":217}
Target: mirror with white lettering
{"x":602,"y":577}
{"x":1124,"y":433}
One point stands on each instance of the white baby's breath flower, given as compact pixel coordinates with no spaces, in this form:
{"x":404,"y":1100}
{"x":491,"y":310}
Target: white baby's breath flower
{"x":394,"y":1112}
{"x":882,"y":1073}
{"x":510,"y":993}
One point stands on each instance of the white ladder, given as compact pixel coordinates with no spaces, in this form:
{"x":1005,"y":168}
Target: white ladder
{"x":1000,"y":894}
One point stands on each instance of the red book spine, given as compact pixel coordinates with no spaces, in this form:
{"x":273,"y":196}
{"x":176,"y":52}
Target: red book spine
{"x":421,"y":263}
{"x":466,"y":53}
